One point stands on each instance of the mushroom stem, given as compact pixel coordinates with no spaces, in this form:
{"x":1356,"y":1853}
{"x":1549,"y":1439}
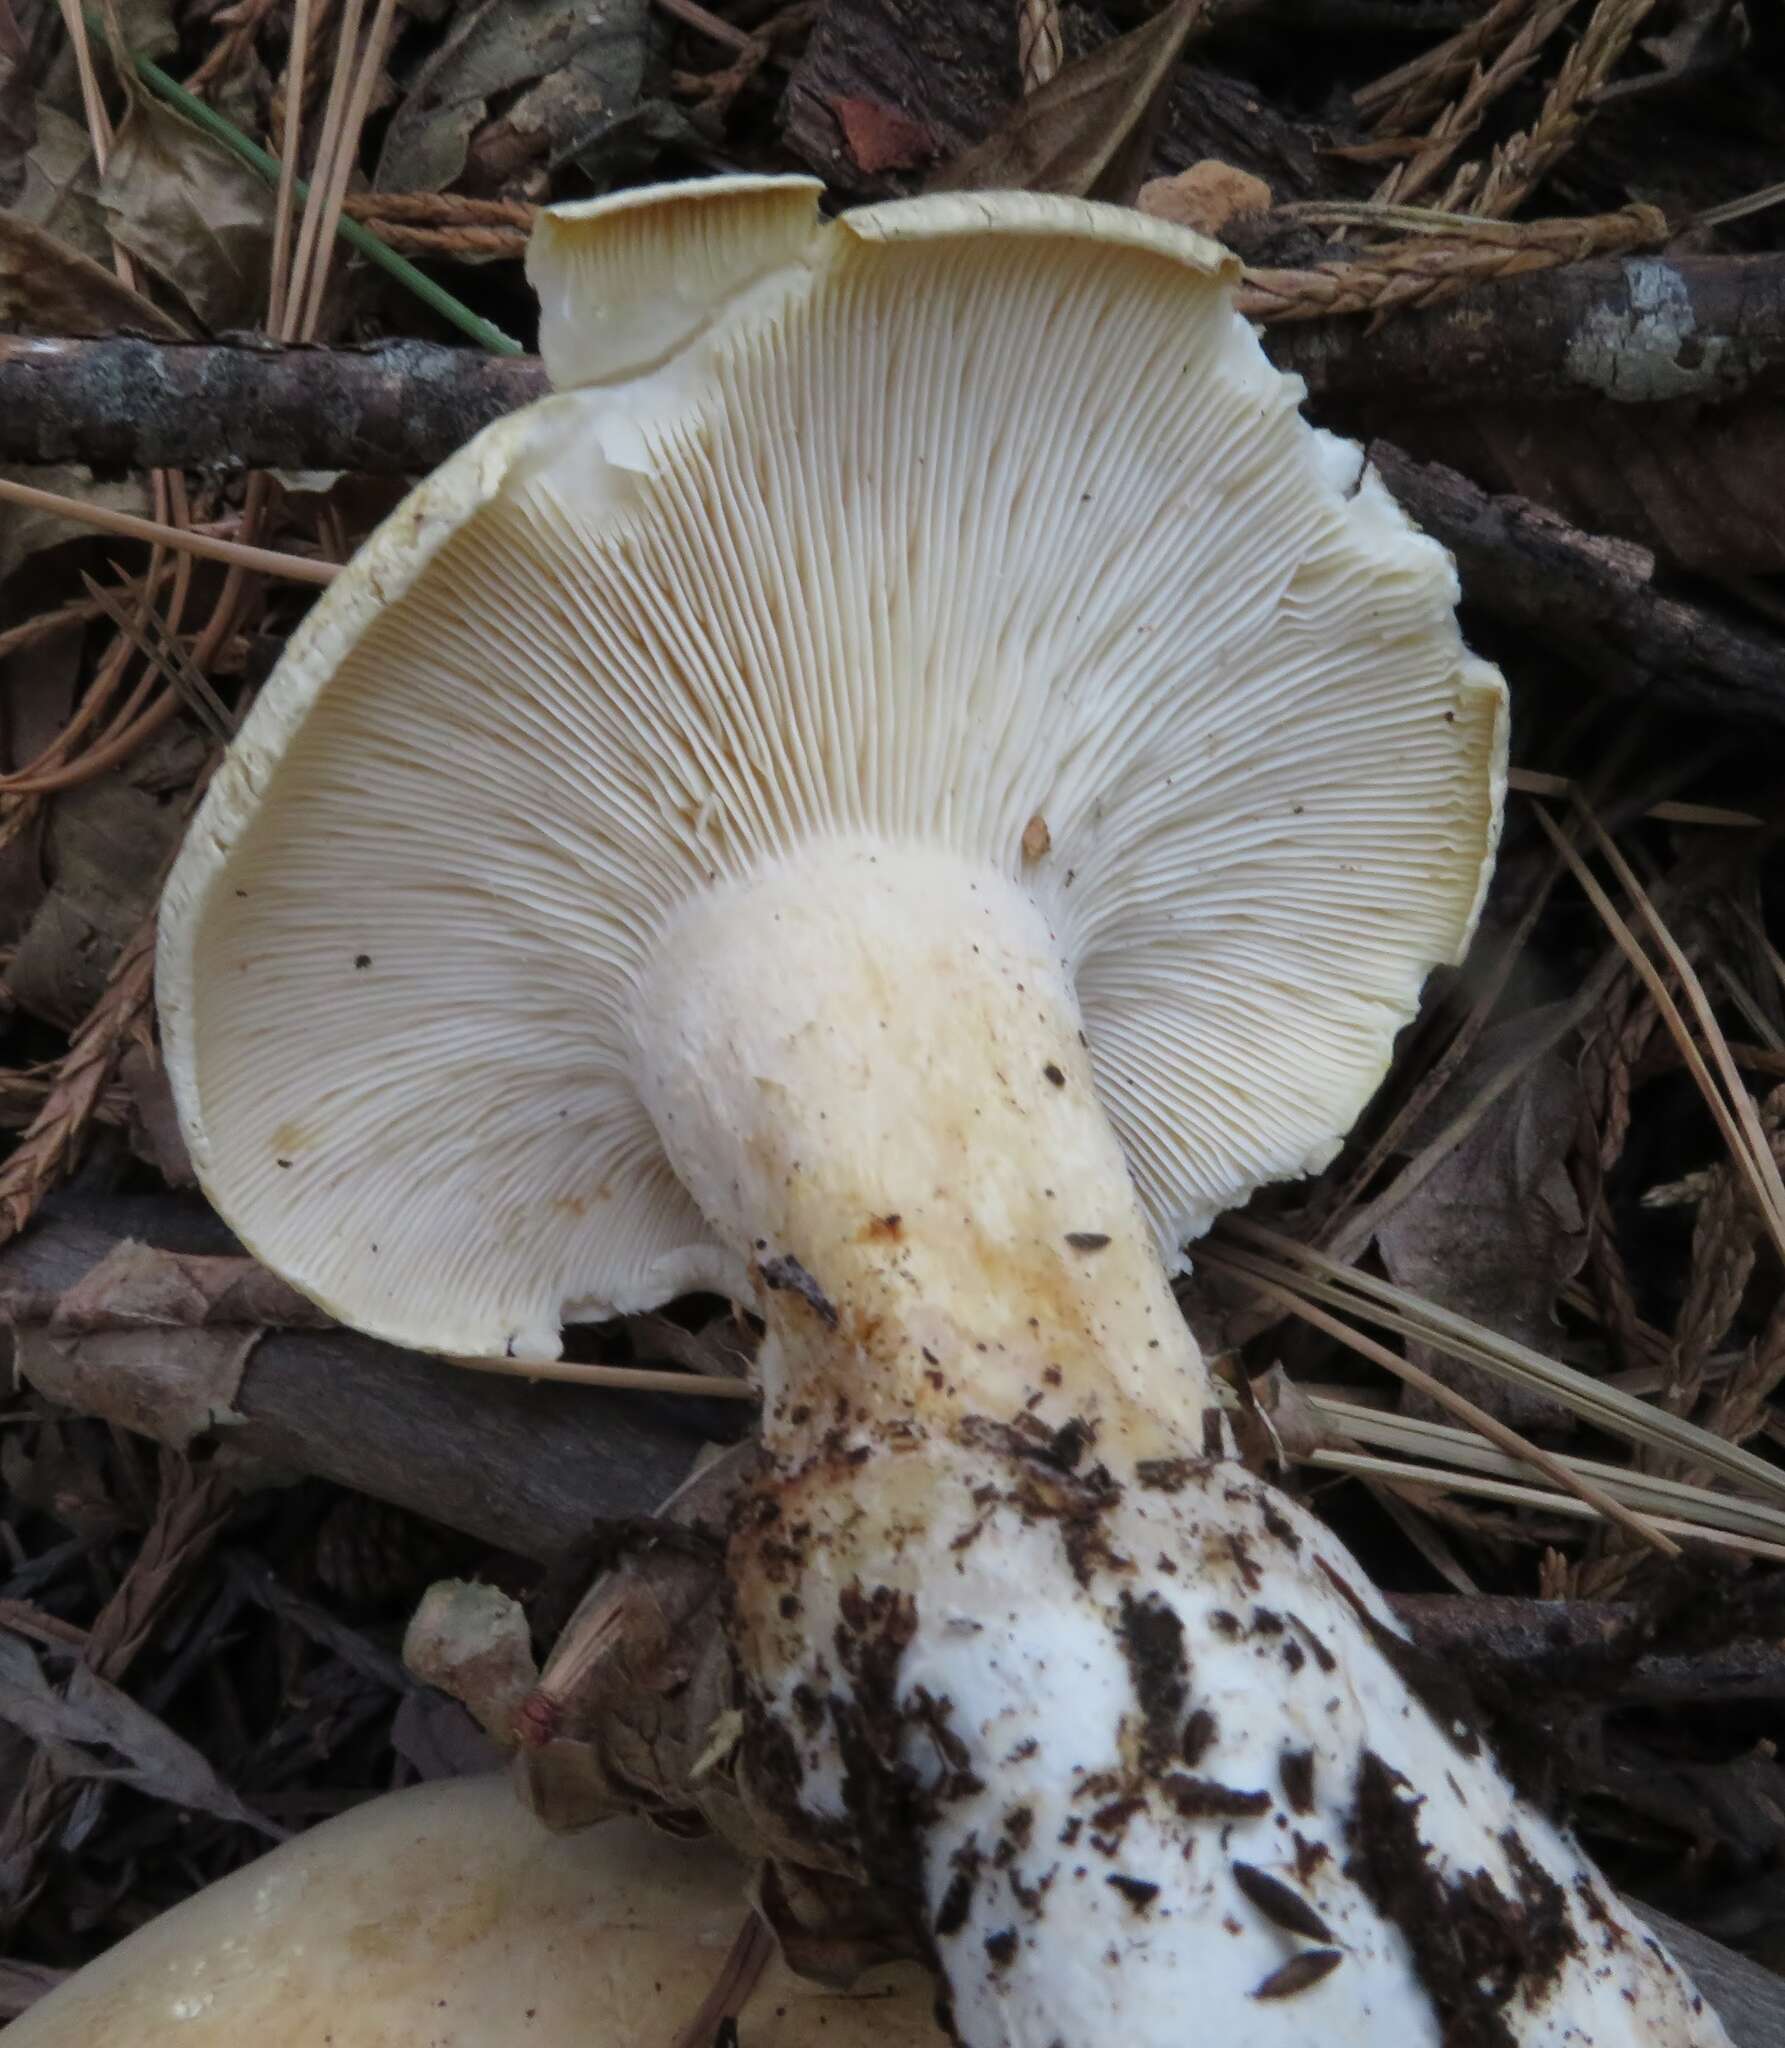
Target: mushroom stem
{"x":1126,"y":1729}
{"x":868,"y":1068}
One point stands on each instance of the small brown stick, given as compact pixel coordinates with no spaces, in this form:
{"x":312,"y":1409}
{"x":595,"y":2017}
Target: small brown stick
{"x":523,"y":1467}
{"x":1595,"y":600}
{"x":268,"y":561}
{"x":692,"y":15}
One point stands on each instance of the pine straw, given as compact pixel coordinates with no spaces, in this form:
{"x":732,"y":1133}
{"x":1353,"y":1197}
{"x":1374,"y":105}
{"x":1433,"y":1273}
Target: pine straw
{"x":1414,"y":92}
{"x":1483,"y":1461}
{"x":1519,"y":165}
{"x":79,"y":611}
{"x":1662,"y":1494}
{"x":120,"y":1017}
{"x":1427,"y":158}
{"x":1518,"y":1450}
{"x":1725,"y":1094}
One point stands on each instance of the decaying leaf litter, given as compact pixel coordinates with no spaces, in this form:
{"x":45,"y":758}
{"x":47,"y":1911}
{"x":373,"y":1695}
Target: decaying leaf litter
{"x":1575,"y":1161}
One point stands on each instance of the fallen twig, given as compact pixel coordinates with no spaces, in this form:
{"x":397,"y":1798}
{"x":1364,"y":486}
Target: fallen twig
{"x":402,"y":406}
{"x":521,"y":1466}
{"x":1705,"y":329}
{"x":1595,"y":599}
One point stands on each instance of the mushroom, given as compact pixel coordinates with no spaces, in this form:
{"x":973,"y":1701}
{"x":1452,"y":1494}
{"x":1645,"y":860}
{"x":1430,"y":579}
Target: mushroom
{"x":908,"y":785}
{"x":447,"y":1916}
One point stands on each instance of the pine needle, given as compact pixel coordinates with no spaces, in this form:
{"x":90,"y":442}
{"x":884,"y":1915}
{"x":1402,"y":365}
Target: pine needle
{"x":262,"y":561}
{"x":1443,"y":1443}
{"x":1395,"y":1471}
{"x":1315,"y":1277}
{"x":1518,"y":1448}
{"x":1734,"y":1114}
{"x":620,"y":1378}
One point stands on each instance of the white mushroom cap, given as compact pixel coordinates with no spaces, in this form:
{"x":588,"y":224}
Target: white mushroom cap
{"x":447,"y":1917}
{"x":950,"y":517}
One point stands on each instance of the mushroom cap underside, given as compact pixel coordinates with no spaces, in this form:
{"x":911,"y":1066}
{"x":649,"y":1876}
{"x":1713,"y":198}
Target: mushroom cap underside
{"x":979,"y":522}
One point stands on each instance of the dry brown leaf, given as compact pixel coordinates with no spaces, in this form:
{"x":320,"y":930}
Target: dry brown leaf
{"x":48,"y":287}
{"x":1089,"y":131}
{"x":60,"y":191}
{"x":561,"y":69}
{"x":106,"y":845}
{"x":18,"y":112}
{"x":159,"y":1340}
{"x":1495,"y":1230}
{"x":136,"y":1286}
{"x":625,"y":1708}
{"x":195,"y":215}
{"x":90,"y":1723}
{"x":155,"y":1134}
{"x":173,"y":1385}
